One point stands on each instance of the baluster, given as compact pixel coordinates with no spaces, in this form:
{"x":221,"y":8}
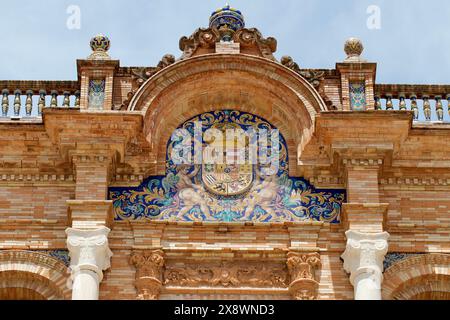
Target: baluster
{"x":29,"y":102}
{"x":54,"y":100}
{"x":41,"y":104}
{"x":414,"y":107}
{"x":427,"y":107}
{"x":66,"y":102}
{"x":402,"y":104}
{"x":439,"y":108}
{"x":377,"y":103}
{"x":5,"y":102}
{"x":77,"y":99}
{"x":389,"y":104}
{"x":17,"y":102}
{"x":448,"y":106}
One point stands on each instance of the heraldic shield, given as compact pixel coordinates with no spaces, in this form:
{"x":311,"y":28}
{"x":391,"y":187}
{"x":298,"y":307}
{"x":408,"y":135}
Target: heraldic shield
{"x":228,"y":179}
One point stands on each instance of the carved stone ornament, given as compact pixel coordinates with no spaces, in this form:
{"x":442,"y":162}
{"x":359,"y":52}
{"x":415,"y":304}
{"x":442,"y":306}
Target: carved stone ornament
{"x":302,"y":269}
{"x":88,"y":250}
{"x":228,"y":275}
{"x":142,"y":74}
{"x":312,"y":76}
{"x":206,"y":38}
{"x":149,"y":268}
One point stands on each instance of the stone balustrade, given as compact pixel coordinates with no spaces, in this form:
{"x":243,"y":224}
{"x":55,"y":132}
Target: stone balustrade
{"x":429,"y":103}
{"x":27,"y":99}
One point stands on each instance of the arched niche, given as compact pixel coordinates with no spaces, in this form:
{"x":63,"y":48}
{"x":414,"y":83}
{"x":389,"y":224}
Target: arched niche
{"x":32,"y":275}
{"x":417,"y":278}
{"x":218,"y":82}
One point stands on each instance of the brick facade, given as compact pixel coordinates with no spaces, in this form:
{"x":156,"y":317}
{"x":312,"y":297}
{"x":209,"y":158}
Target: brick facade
{"x":55,"y":172}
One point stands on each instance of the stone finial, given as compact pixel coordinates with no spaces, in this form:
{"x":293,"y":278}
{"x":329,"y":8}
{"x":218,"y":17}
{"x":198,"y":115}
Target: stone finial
{"x":354,"y":48}
{"x":100,"y":45}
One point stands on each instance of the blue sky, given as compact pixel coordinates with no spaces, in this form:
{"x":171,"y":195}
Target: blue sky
{"x":412,"y":46}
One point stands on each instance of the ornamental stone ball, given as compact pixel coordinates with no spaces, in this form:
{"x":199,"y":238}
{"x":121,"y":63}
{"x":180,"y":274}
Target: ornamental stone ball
{"x":353,"y":48}
{"x":100,"y":45}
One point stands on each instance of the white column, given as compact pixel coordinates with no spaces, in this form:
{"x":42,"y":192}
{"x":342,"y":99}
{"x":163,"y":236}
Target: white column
{"x":363,"y":259}
{"x":89,"y":256}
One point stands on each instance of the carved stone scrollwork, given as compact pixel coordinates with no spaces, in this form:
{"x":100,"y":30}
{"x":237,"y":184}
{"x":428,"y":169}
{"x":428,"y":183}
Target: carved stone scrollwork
{"x":149,"y":270}
{"x":228,"y":275}
{"x":202,"y":37}
{"x":247,"y":38}
{"x":312,"y":76}
{"x":253,"y":38}
{"x":140,"y":75}
{"x":302,"y":269}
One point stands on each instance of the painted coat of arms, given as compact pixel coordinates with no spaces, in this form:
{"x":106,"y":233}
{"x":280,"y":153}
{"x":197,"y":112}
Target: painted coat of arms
{"x":227,"y":179}
{"x":227,"y":190}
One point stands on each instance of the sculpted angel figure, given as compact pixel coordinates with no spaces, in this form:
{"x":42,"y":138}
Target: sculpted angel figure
{"x":263,"y":194}
{"x":189,"y":193}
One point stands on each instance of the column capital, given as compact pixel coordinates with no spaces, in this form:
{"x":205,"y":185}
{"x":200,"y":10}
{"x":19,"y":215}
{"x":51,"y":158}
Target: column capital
{"x":89,"y":251}
{"x":149,"y":266}
{"x":302,"y":269}
{"x":364,"y":254}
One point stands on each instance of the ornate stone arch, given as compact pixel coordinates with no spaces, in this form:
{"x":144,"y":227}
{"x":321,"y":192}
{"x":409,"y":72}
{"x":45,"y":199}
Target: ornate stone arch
{"x":34,"y":272}
{"x":418,"y":277}
{"x":216,"y":82}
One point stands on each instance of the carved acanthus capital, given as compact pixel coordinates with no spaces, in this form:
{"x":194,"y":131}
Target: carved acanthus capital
{"x":364,"y":255}
{"x":149,"y":269}
{"x":303,"y":269}
{"x":89,"y":251}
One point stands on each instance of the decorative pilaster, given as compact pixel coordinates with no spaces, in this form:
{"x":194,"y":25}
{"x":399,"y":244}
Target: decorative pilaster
{"x":357,"y":78}
{"x":90,"y":256}
{"x":363,"y":259}
{"x":302,"y":269}
{"x":149,"y":269}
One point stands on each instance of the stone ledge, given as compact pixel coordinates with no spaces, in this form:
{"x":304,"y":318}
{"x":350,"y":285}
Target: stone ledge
{"x":365,"y":217}
{"x":90,"y":214}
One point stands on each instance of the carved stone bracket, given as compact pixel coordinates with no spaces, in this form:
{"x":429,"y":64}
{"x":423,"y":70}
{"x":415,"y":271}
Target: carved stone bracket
{"x":303,"y":269}
{"x":149,"y":269}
